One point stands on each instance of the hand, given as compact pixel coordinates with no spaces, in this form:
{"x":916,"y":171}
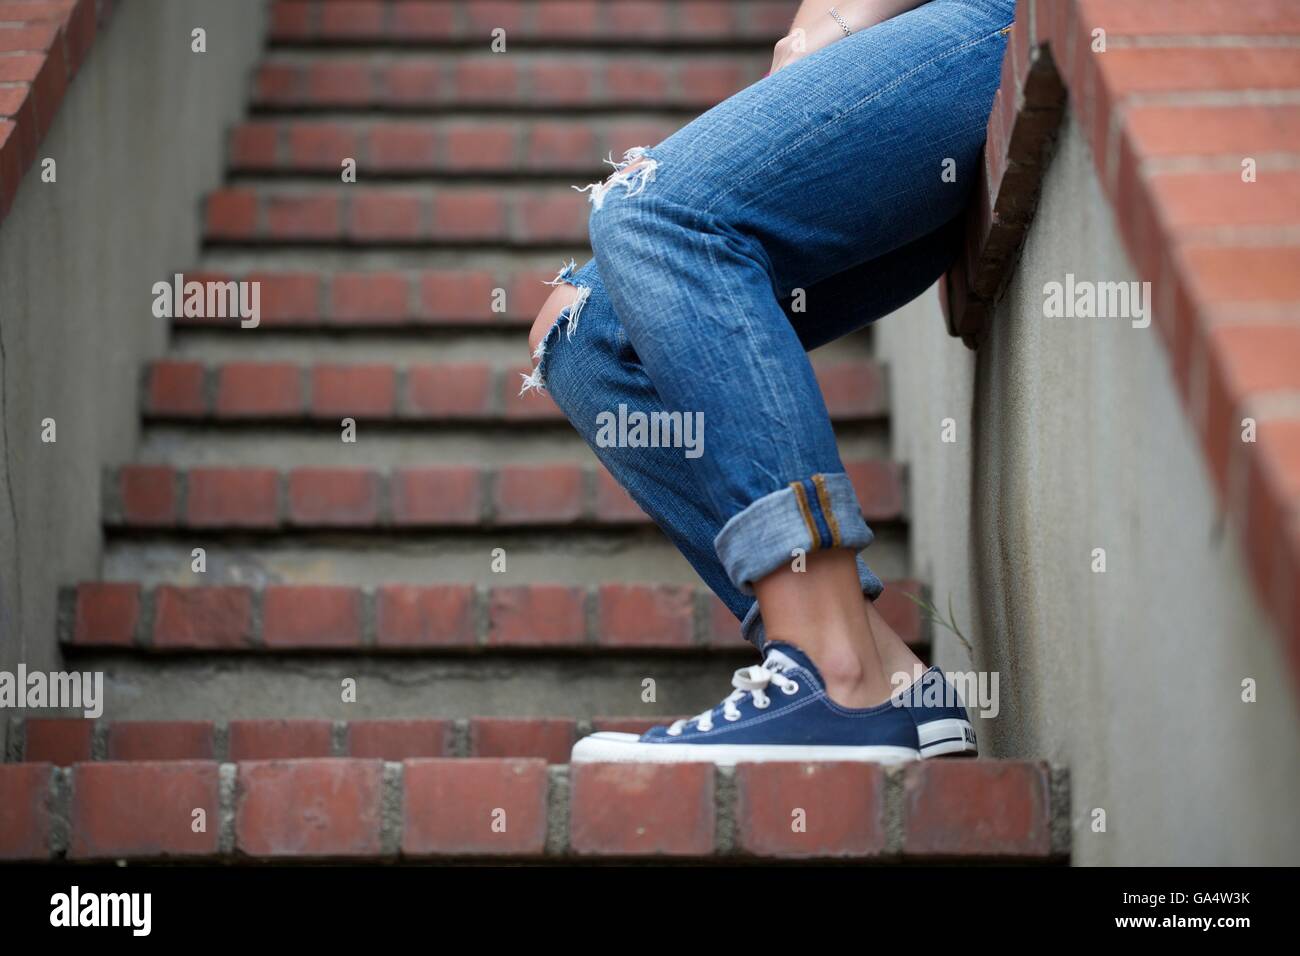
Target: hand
{"x":802,"y":41}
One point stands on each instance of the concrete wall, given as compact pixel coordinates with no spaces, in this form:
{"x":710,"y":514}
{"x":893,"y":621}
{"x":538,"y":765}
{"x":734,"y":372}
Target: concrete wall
{"x":138,"y":139}
{"x":1069,"y":438}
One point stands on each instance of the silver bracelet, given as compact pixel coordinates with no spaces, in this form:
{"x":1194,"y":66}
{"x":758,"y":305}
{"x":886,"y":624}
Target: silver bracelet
{"x":840,"y":20}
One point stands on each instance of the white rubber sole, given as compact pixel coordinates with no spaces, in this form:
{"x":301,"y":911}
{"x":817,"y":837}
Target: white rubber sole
{"x":610,"y":747}
{"x":947,"y":737}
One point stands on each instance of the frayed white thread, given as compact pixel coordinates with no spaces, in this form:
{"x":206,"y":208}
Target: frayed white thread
{"x":570,"y":314}
{"x":633,"y":181}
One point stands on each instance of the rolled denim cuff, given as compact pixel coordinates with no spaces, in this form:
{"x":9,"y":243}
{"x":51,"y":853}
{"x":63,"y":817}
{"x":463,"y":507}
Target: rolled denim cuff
{"x":813,"y":514}
{"x":751,"y":626}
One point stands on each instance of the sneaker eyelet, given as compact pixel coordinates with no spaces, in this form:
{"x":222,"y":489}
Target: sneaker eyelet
{"x":767,"y":702}
{"x":790,"y":689}
{"x":730,"y":718}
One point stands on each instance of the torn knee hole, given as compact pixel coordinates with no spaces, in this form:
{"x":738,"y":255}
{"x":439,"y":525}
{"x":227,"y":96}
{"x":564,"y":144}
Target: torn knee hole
{"x":634,"y":173}
{"x":562,"y":298}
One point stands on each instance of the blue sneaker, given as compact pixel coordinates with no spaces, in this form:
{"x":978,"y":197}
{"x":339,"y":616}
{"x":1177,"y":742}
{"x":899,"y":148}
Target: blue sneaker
{"x":943,"y":727}
{"x":778,"y":711}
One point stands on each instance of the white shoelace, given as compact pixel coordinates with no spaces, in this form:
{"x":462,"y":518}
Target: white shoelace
{"x":751,"y":680}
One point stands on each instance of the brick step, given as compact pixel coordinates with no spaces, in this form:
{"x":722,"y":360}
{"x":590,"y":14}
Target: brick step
{"x":407,"y":618}
{"x":360,"y":216}
{"x":232,"y":392}
{"x":442,"y":146}
{"x":350,"y":300}
{"x":363,"y":809}
{"x":230,"y":499}
{"x":64,"y":741}
{"x":567,"y":22}
{"x":526,"y":81}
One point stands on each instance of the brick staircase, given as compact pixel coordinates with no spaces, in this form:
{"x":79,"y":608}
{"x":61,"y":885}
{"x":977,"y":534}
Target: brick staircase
{"x":367,"y":566}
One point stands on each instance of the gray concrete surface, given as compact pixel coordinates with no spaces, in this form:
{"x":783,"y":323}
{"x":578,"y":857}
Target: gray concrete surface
{"x":1070,"y":437}
{"x":139,"y":137}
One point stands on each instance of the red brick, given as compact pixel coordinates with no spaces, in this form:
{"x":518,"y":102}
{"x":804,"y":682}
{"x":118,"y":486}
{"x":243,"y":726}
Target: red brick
{"x":468,"y":215}
{"x":24,"y":811}
{"x":232,"y":498}
{"x":532,"y":406}
{"x":355,"y":20}
{"x":879,"y":487}
{"x":58,"y":740}
{"x":637,"y":616}
{"x":1181,"y":18}
{"x":425,"y":497}
{"x":400,"y":147}
{"x":456,"y":296}
{"x":353,"y":391}
{"x":637,"y":81}
{"x":552,"y":217}
{"x":340,"y":83}
{"x":485,"y":81}
{"x":365,"y":297}
{"x":561,"y":146}
{"x":852,"y":389}
{"x":259,"y":390}
{"x":724,"y":627}
{"x":398,"y":739}
{"x":387,"y":217}
{"x":449,"y":391}
{"x":309,"y":809}
{"x":641,"y":809}
{"x":570,"y":83}
{"x":321,"y":146}
{"x":613,"y":503}
{"x":699,"y":19}
{"x":976,"y":808}
{"x":232,"y":214}
{"x":642,"y":19}
{"x":413,"y":20}
{"x":1243,"y":275}
{"x":289,"y":297}
{"x":538,"y":495}
{"x":107,"y":613}
{"x":205,"y":618}
{"x":144,"y":810}
{"x":1191,"y":200}
{"x":478,"y":807}
{"x":548,"y":739}
{"x":706,"y":83}
{"x":175,"y":390}
{"x":254,"y":146}
{"x":278,"y":83}
{"x":482,"y":147}
{"x":483,"y":16}
{"x":333,"y":497}
{"x":413,"y":84}
{"x":307,"y":217}
{"x":144,"y":740}
{"x":292,"y":19}
{"x":567,"y":19}
{"x":536,"y":616}
{"x":148,"y":494}
{"x":279,"y":739}
{"x":839,"y":809}
{"x":311,"y":616}
{"x":439,"y":615}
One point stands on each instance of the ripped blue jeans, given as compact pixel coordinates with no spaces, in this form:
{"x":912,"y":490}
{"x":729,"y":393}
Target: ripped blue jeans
{"x":802,"y":208}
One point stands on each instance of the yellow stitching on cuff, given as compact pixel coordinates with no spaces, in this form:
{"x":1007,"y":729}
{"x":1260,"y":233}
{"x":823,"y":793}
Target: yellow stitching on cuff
{"x":801,"y":497}
{"x":824,"y":497}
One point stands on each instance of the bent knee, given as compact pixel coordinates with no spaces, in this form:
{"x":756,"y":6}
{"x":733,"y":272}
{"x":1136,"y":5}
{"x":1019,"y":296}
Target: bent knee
{"x":563,"y":296}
